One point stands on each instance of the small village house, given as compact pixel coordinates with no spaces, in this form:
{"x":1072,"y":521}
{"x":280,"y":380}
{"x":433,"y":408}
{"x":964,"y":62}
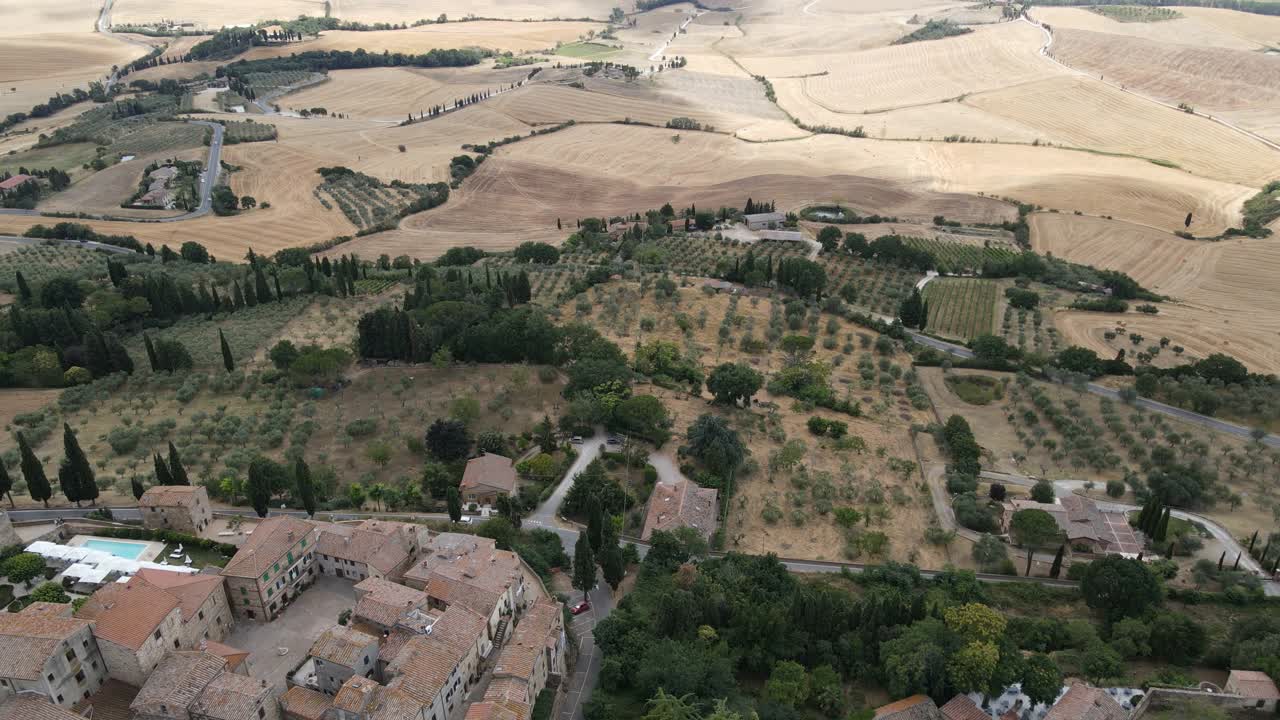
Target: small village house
{"x":181,"y":508}
{"x":46,"y":651}
{"x":273,"y":566}
{"x":486,"y":478}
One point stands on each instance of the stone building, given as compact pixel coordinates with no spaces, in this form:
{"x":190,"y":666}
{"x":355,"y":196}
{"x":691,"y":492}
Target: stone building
{"x":273,"y":566}
{"x":181,"y":508}
{"x":45,"y":650}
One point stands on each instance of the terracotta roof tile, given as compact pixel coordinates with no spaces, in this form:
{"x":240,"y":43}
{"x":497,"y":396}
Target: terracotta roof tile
{"x":961,"y":707}
{"x":270,"y":540}
{"x":681,"y":504}
{"x":176,"y":683}
{"x":172,"y":495}
{"x":233,"y":656}
{"x":916,"y":707}
{"x":342,"y":645}
{"x":489,"y":472}
{"x":30,"y":707}
{"x":29,"y":638}
{"x":231,"y":697}
{"x":384,"y":552}
{"x":111,"y":702}
{"x":192,"y":591}
{"x":519,"y":656}
{"x":384,"y":602}
{"x":305,"y":704}
{"x":423,"y":667}
{"x":1082,"y":702}
{"x":1252,"y":684}
{"x":128,"y":613}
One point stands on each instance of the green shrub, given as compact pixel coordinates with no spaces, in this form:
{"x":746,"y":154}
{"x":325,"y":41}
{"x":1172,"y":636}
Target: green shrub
{"x":362,"y":428}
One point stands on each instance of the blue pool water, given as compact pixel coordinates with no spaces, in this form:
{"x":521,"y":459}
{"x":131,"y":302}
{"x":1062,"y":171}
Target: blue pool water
{"x":121,"y":549}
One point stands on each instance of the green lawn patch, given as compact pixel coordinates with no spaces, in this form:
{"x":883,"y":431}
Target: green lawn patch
{"x":586,"y":50}
{"x":975,"y":389}
{"x":200,"y":557}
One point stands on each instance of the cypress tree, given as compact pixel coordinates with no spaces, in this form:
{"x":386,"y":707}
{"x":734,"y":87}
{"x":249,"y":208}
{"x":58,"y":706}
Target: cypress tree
{"x":177,"y":471}
{"x":306,"y":489}
{"x":163,"y":477}
{"x":121,"y":361}
{"x":1253,"y":539}
{"x":24,"y":290}
{"x":1056,"y":568}
{"x":250,"y":294}
{"x":136,"y":485}
{"x":263,"y":291}
{"x":6,"y":484}
{"x":97,"y":359}
{"x":595,"y":524}
{"x":279,"y":294}
{"x":228,"y":362}
{"x":1163,"y":527}
{"x":75,"y":473}
{"x":237,"y":295}
{"x":1221,"y":558}
{"x":151,"y":352}
{"x":33,"y":473}
{"x":584,"y":565}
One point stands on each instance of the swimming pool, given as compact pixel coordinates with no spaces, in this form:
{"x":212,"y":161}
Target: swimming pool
{"x":119,"y":548}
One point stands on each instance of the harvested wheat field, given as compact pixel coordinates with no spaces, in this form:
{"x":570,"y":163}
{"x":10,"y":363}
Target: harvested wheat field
{"x":391,"y":94}
{"x":51,"y":16}
{"x":409,"y":11}
{"x":1065,"y":111}
{"x":920,"y":73}
{"x":1209,"y":282}
{"x":1189,"y":30}
{"x":34,"y":67}
{"x":517,"y":37}
{"x":210,"y":14}
{"x":1201,"y":76}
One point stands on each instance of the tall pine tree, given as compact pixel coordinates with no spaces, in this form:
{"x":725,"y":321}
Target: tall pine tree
{"x":33,"y":472}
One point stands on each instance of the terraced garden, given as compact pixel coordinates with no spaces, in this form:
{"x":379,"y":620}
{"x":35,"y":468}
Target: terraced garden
{"x":961,"y":307}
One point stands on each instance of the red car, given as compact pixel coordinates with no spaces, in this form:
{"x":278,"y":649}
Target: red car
{"x":580,"y":608}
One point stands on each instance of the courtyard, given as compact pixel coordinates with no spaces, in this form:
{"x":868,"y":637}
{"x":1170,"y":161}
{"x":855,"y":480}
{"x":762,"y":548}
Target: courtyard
{"x":315,"y":611}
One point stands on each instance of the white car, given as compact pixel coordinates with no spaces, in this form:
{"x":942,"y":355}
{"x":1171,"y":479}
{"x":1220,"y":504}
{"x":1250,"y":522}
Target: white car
{"x":576,"y":440}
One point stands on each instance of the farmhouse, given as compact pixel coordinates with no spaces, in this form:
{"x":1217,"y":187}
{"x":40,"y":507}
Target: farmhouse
{"x":13,"y":183}
{"x":764,"y":221}
{"x":681,"y":504}
{"x":1256,"y":687}
{"x":1085,"y":526}
{"x":486,"y":478}
{"x":271,"y":568}
{"x":183,"y":508}
{"x":44,"y":650}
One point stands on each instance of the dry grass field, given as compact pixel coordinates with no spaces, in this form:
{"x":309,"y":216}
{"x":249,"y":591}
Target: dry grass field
{"x":1065,"y":111}
{"x":214,"y":14}
{"x":1194,"y":29}
{"x":34,"y":67}
{"x":390,"y":94}
{"x":1210,"y":283}
{"x":1241,"y":85}
{"x":53,"y":16}
{"x":919,"y":73}
{"x":517,"y":37}
{"x":103,"y":191}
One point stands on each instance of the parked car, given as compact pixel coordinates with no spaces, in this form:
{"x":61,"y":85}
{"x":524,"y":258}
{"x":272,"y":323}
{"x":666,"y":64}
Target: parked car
{"x":577,"y":440}
{"x":580,"y":607}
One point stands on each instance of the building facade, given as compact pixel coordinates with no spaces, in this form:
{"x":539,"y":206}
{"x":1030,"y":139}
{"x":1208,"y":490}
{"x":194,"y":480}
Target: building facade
{"x":45,"y":650}
{"x":339,"y":654}
{"x":181,"y":508}
{"x":487,"y":478}
{"x":273,"y":566}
